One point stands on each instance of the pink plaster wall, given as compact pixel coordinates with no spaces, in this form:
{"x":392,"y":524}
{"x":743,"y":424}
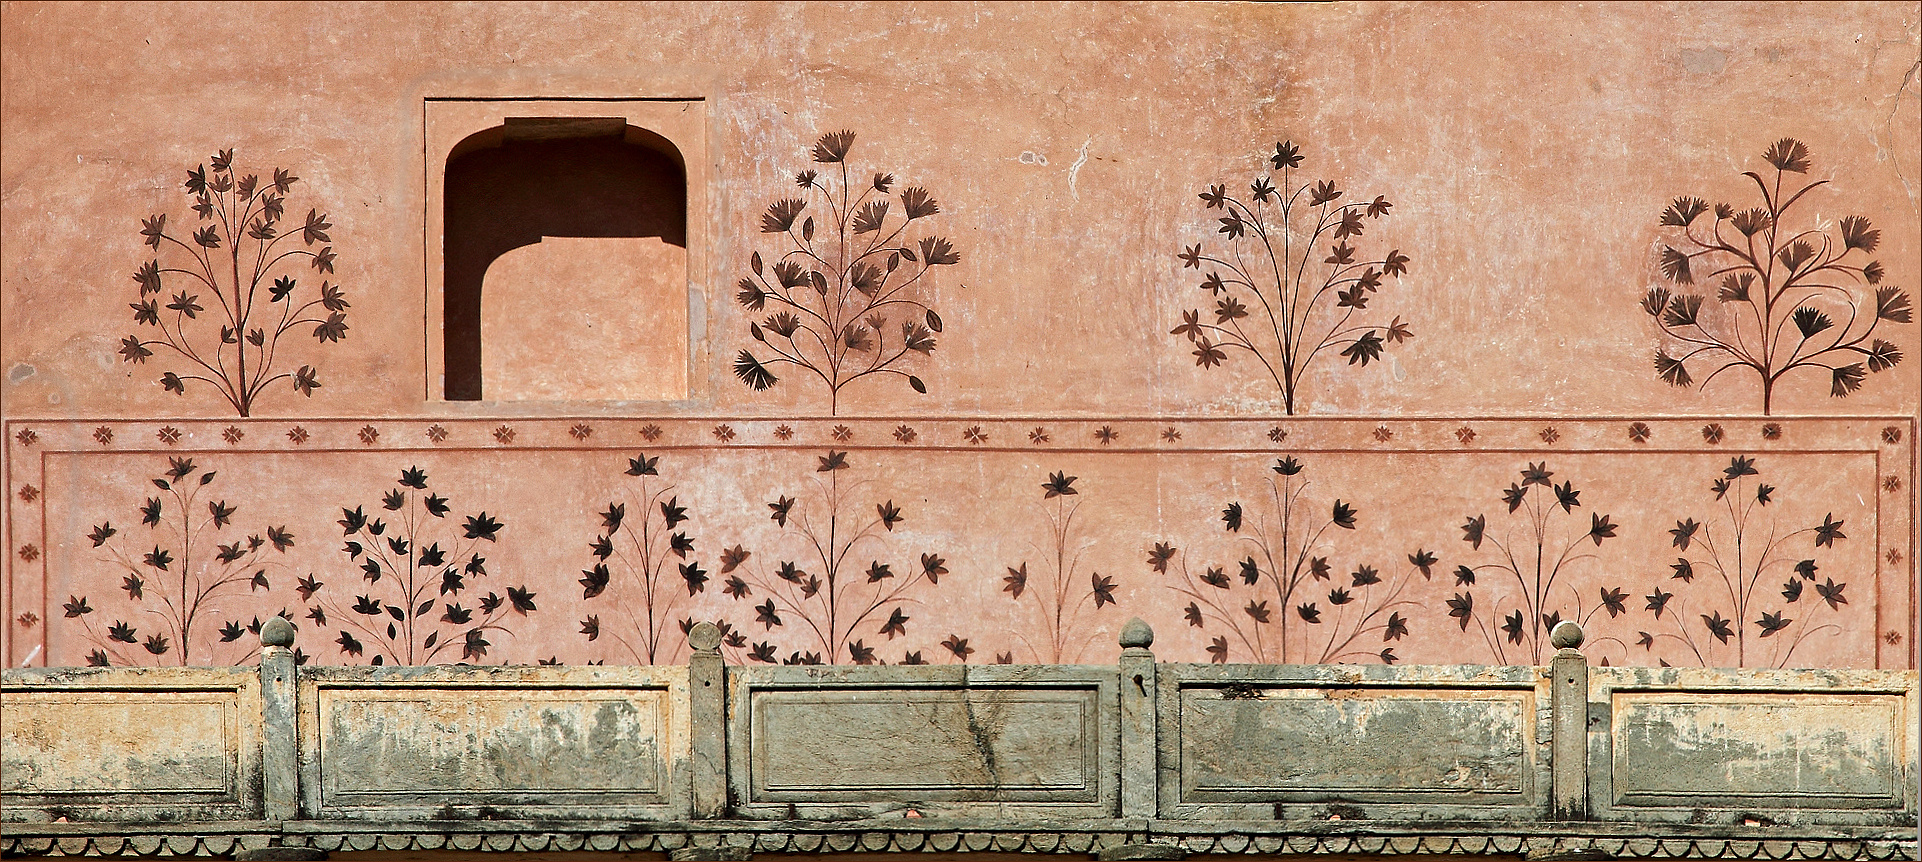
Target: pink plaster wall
{"x":1528,"y":152}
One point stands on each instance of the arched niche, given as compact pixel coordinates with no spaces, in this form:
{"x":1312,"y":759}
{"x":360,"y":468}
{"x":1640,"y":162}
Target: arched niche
{"x":565,"y":263}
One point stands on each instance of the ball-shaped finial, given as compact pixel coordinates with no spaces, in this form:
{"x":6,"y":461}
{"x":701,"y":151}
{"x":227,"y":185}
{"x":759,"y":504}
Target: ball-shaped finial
{"x":277,"y":631}
{"x":1137,"y":634}
{"x":1566,"y":634}
{"x":704,"y":637}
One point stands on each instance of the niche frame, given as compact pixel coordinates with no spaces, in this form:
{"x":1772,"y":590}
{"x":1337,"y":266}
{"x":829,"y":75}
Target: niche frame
{"x":685,"y":119}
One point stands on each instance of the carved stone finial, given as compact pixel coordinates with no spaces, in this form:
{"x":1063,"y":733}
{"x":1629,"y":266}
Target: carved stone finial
{"x":1137,"y":634}
{"x":277,"y":631}
{"x":1567,"y":634}
{"x":704,"y":637}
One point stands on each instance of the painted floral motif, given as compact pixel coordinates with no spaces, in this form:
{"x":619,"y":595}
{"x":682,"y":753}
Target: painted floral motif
{"x":848,"y":294}
{"x":1787,"y":298}
{"x":1057,"y":595}
{"x":188,"y":575}
{"x":643,"y":563}
{"x":417,"y":566}
{"x":826,"y":605}
{"x":1508,"y":591}
{"x":229,"y":294}
{"x":1748,"y":567}
{"x":1272,"y":609}
{"x":1293,"y":281}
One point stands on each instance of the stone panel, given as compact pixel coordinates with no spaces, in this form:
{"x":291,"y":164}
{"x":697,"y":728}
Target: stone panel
{"x":577,"y":740}
{"x":1769,"y":746}
{"x":993,"y":744}
{"x":1787,"y":750}
{"x":76,"y":744}
{"x":149,"y":744}
{"x":1308,"y":743}
{"x":935,"y":740}
{"x":1246,"y":741}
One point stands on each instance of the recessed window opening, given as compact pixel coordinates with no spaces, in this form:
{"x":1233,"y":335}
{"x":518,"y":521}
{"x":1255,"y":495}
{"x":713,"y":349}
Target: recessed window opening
{"x":565,"y":263}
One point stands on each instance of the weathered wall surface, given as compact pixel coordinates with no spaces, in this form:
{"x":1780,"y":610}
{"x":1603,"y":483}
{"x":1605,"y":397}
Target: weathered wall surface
{"x":1488,"y":316}
{"x":1382,"y":761}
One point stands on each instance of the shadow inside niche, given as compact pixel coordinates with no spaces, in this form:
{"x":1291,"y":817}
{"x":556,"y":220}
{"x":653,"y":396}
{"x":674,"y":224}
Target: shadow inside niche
{"x":509,"y":186}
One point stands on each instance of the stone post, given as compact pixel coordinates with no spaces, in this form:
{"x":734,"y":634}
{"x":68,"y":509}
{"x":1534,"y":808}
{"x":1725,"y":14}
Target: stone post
{"x":707,"y":724}
{"x":1138,"y":776}
{"x":1568,"y":709}
{"x":280,"y":740}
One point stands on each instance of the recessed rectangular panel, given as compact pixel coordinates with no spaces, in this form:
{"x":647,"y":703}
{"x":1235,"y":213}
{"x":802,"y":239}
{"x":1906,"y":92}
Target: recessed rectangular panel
{"x":1280,"y":744}
{"x":978,"y":744}
{"x":1754,"y":749}
{"x":453,"y":745}
{"x":151,"y":743}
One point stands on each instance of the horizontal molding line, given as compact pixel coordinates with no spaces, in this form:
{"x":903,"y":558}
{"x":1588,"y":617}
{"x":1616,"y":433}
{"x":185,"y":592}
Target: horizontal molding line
{"x":19,"y":418}
{"x":1075,"y":436}
{"x":744,"y":840}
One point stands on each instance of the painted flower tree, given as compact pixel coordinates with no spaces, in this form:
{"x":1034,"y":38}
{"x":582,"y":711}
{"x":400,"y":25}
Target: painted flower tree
{"x":186,"y":577}
{"x":1739,"y":555}
{"x":235,"y":264}
{"x":847,"y":293}
{"x":642,"y":564}
{"x":1537,"y":551}
{"x":1058,"y":596}
{"x":1284,"y":563}
{"x":1292,"y":282}
{"x":824,"y":597}
{"x":407,"y":570}
{"x":1785,"y":299}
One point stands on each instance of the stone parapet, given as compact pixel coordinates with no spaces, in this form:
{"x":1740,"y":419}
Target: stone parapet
{"x":1269,"y":759}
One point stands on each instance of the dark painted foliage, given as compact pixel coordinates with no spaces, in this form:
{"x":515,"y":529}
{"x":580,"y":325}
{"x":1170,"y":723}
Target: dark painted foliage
{"x":1508,"y":592}
{"x":1293,"y":281}
{"x":1056,"y":593}
{"x":1270,"y":603}
{"x":222,"y":298}
{"x":1744,"y":567}
{"x":644,"y":571}
{"x":846,"y":292}
{"x":418,"y":568}
{"x":186,"y":576}
{"x":826,"y":602}
{"x":1786,"y":298}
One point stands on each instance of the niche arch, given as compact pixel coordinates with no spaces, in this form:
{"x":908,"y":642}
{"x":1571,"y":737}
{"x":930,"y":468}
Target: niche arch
{"x":564,"y":250}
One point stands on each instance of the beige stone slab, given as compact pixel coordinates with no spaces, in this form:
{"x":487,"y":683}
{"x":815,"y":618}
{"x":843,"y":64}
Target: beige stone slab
{"x":585,"y":741}
{"x":135,"y":744}
{"x":1278,"y":743}
{"x":1806,"y":750}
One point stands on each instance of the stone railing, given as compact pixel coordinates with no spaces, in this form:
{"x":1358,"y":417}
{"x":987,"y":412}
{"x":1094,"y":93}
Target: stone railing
{"x":1139,"y":760}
